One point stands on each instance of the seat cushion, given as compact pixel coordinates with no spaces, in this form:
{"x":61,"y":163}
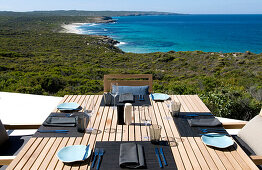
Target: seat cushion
{"x":3,"y":134}
{"x":251,"y":134}
{"x":135,"y":90}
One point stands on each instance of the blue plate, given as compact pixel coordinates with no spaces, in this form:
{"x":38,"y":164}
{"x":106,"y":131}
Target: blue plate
{"x":160,"y":96}
{"x":68,"y":106}
{"x":73,"y":153}
{"x":216,"y":140}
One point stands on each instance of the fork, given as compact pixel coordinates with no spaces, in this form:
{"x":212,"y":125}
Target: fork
{"x":101,"y":153}
{"x":94,"y":159}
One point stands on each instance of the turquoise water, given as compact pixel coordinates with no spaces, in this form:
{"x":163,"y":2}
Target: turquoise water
{"x":209,"y":33}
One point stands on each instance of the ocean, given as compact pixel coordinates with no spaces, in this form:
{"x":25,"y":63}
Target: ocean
{"x":162,"y":33}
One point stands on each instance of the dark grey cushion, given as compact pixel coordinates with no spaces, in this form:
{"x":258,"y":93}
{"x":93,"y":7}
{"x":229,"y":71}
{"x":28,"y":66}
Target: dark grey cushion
{"x":3,"y":134}
{"x":204,"y":122}
{"x":131,"y":156}
{"x":135,"y":90}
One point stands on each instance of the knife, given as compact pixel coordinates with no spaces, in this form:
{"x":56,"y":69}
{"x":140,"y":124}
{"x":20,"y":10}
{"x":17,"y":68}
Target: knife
{"x":158,"y":157}
{"x":163,"y":156}
{"x":87,"y":148}
{"x":52,"y":131}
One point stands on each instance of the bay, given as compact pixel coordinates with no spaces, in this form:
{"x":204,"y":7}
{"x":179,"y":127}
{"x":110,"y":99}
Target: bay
{"x":162,"y":33}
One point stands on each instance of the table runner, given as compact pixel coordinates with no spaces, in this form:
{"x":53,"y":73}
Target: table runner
{"x":185,"y":130}
{"x":112,"y":149}
{"x":72,"y":130}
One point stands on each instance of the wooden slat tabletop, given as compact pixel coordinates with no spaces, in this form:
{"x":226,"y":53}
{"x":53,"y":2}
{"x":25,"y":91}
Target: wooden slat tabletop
{"x":188,"y":152}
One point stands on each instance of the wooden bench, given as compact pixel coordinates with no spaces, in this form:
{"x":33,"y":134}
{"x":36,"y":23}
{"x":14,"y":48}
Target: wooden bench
{"x":128,"y":80}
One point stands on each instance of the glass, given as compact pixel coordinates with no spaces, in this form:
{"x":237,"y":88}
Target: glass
{"x":155,"y":133}
{"x":146,"y":114}
{"x":90,"y":113}
{"x":146,"y":117}
{"x":175,"y":108}
{"x":81,"y":123}
{"x":114,"y":92}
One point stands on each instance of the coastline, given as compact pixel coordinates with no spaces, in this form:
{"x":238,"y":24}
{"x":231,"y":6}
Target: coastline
{"x":73,"y":28}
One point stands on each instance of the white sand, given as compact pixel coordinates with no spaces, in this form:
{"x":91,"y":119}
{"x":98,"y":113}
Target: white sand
{"x":72,"y":28}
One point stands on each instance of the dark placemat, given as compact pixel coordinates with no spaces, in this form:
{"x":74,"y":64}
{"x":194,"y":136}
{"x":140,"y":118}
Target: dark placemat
{"x":136,"y":102}
{"x":112,"y":149}
{"x":72,"y":130}
{"x":185,"y":130}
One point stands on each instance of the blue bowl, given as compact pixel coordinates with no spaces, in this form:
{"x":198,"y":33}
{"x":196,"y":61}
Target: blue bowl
{"x":219,"y":141}
{"x":68,"y":106}
{"x":73,"y":153}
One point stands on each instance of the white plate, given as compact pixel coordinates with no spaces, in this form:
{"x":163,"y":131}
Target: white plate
{"x":73,"y":153}
{"x":217,"y":141}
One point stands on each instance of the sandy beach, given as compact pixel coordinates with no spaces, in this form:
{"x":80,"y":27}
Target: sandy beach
{"x":72,"y":28}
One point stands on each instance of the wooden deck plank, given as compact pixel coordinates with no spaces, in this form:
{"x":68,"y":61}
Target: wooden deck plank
{"x":28,"y":154}
{"x":20,"y":155}
{"x":199,"y":156}
{"x":191,"y":154}
{"x":171,"y":134}
{"x":224,"y":159}
{"x":137,"y":121}
{"x":239,"y":159}
{"x":44,"y":152}
{"x":201,"y":103}
{"x":36,"y":153}
{"x":61,"y":143}
{"x":51,"y":153}
{"x":206,"y":154}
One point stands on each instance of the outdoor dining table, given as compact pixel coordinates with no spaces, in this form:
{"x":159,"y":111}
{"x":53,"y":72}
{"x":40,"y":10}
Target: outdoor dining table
{"x":188,"y":152}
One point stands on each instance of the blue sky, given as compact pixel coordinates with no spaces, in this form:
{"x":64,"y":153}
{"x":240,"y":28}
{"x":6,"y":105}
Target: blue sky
{"x":179,"y":6}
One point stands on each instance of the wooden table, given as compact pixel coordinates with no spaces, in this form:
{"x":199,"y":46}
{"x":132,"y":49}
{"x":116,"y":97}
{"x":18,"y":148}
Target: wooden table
{"x":190,"y":153}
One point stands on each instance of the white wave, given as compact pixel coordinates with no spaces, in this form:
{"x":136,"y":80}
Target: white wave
{"x":120,"y":43}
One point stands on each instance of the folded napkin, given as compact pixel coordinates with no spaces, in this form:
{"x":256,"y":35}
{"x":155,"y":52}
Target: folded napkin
{"x":60,"y":121}
{"x":204,"y":122}
{"x":126,"y":97}
{"x":131,"y":155}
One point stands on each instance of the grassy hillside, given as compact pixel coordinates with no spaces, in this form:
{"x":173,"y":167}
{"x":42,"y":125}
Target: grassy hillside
{"x":35,"y":58}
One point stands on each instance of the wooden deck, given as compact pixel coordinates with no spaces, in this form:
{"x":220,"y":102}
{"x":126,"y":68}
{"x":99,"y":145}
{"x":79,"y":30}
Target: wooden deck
{"x":190,"y":153}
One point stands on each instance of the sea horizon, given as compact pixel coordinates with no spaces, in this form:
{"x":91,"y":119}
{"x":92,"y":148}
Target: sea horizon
{"x":226,"y":33}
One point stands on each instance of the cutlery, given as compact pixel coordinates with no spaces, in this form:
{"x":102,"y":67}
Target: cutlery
{"x":101,"y":153}
{"x":52,"y":131}
{"x":141,"y":97}
{"x":87,"y":148}
{"x":94,"y":159}
{"x":214,"y":135}
{"x":158,"y":157}
{"x":163,"y":156}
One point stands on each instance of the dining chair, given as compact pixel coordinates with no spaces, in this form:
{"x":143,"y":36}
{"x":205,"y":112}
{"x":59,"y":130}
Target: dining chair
{"x":249,"y":137}
{"x":128,"y":80}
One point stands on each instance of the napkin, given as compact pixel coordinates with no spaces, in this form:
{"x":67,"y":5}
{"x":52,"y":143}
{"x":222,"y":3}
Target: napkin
{"x":126,"y":97}
{"x":60,"y":121}
{"x":131,"y":155}
{"x":204,"y":122}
